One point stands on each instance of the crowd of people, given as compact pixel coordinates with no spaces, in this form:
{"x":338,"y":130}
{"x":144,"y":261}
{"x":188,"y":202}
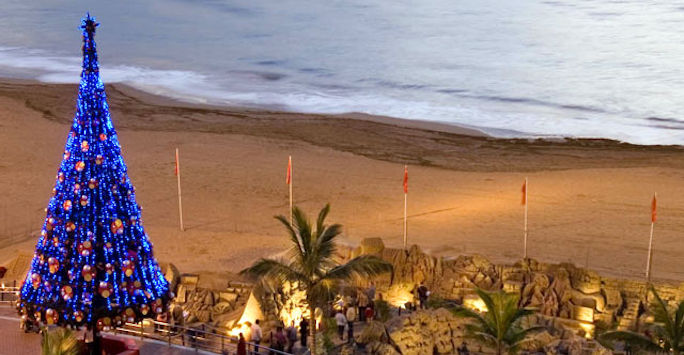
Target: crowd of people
{"x":359,"y":307}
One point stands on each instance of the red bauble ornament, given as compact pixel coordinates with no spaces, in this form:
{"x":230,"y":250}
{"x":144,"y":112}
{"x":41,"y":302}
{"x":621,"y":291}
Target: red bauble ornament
{"x":79,"y":166}
{"x":85,"y":248}
{"x":103,"y":137}
{"x":77,"y":188}
{"x":99,"y":159}
{"x":50,"y":223}
{"x":105,"y":289}
{"x":78,"y":316}
{"x":85,"y":146}
{"x":53,"y":265}
{"x":88,"y":273}
{"x":84,"y":200}
{"x":133,"y":286}
{"x":158,"y":306}
{"x":67,"y":292}
{"x":129,"y":313}
{"x":51,"y":316}
{"x":67,"y":205}
{"x":128,"y":267}
{"x":104,"y":323}
{"x":117,"y":227}
{"x":60,"y":177}
{"x":109,"y":268}
{"x":67,"y":155}
{"x":92,"y":183}
{"x":35,"y":280}
{"x":70,"y":226}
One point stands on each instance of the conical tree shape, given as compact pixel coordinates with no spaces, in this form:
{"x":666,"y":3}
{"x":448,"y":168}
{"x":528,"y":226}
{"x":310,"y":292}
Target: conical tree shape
{"x":93,"y":262}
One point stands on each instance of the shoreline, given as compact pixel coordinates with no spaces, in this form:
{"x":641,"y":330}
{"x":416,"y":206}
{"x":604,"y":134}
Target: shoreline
{"x":425,"y":125}
{"x":385,"y":138}
{"x":589,"y":204}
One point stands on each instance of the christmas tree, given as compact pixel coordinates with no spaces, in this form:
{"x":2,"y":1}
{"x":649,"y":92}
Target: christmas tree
{"x":93,"y":263}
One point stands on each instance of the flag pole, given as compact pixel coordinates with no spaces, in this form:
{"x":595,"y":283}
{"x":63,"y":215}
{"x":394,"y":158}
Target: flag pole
{"x":180,"y":201}
{"x":525,"y":222}
{"x":405,"y":224}
{"x":290,"y":171}
{"x":405,"y":204}
{"x":650,"y":240}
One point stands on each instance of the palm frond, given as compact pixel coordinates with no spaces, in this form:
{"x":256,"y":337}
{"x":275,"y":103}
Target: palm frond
{"x":325,"y":243}
{"x":362,"y":266}
{"x":60,"y":341}
{"x":661,"y":314}
{"x":679,"y":325}
{"x":273,"y":269}
{"x":301,"y":224}
{"x":634,"y":339}
{"x":492,"y":317}
{"x":297,"y":250}
{"x":520,"y":335}
{"x":483,"y":338}
{"x":320,"y":222}
{"x":479,"y":321}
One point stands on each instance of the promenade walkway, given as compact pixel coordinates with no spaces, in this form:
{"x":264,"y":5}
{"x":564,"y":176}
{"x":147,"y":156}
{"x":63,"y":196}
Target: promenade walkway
{"x":13,"y":341}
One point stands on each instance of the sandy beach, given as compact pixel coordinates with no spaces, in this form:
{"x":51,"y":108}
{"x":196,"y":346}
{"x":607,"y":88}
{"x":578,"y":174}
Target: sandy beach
{"x":589,"y":199}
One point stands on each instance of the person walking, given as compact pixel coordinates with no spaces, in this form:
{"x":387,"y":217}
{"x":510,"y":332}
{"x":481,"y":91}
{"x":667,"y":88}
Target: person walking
{"x":363,"y":303}
{"x":463,"y":350}
{"x":291,"y":333}
{"x":256,"y":335}
{"x":242,"y":345}
{"x":304,"y":332}
{"x":351,"y":318}
{"x":423,"y":294}
{"x":341,"y":321}
{"x":280,"y":339}
{"x":371,"y":292}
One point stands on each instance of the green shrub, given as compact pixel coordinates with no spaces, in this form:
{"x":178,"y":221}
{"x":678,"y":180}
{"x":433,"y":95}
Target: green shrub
{"x":383,"y":310}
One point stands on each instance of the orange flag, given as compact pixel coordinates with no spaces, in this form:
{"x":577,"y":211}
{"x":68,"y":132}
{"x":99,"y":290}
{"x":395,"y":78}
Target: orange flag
{"x":405,"y":179}
{"x":288,"y":178}
{"x":524,"y":193}
{"x":653,"y":209}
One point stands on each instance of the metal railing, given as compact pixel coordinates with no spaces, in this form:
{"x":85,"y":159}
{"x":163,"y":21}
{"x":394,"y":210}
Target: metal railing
{"x":8,"y":294}
{"x":201,"y":337}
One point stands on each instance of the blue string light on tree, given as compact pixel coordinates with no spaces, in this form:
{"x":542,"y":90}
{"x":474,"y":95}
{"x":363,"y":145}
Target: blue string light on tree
{"x":93,"y":263}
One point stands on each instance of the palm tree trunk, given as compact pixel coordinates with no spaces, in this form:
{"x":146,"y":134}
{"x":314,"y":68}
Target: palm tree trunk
{"x":312,"y":321}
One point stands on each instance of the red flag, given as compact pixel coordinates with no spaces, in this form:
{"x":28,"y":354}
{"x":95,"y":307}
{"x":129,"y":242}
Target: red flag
{"x":653,"y":209}
{"x":176,"y":169}
{"x":288,"y":178}
{"x":524,"y":193}
{"x":405,"y":179}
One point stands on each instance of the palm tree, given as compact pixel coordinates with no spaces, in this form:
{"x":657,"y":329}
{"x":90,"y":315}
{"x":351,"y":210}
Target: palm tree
{"x":669,"y":326}
{"x":60,"y":341}
{"x":500,"y":326}
{"x":311,"y":263}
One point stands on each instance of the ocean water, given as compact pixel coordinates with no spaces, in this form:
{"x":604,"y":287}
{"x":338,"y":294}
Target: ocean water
{"x":578,"y":68}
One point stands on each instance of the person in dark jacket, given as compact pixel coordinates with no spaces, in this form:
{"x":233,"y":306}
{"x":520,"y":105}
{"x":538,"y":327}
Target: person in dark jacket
{"x":304,"y":331}
{"x":242,"y":346}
